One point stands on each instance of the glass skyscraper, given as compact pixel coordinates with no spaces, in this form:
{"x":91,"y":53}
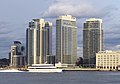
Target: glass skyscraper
{"x":66,"y":39}
{"x":38,"y":41}
{"x":92,"y":40}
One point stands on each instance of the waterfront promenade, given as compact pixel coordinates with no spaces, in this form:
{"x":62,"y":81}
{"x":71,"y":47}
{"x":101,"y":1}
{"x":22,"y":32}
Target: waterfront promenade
{"x":80,"y":69}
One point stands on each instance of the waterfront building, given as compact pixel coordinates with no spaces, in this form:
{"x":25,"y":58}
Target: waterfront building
{"x":92,"y":40}
{"x":50,"y":59}
{"x":17,"y":55}
{"x":66,"y":39}
{"x":107,"y":60}
{"x":38,"y":41}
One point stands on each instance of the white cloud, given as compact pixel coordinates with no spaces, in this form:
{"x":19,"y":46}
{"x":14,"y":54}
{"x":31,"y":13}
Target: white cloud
{"x":117,"y":47}
{"x":74,"y":7}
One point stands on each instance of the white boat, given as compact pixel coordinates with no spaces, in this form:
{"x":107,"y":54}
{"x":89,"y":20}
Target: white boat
{"x":10,"y":70}
{"x":45,"y":68}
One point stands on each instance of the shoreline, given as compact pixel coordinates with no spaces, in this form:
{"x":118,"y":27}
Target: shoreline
{"x":66,"y":69}
{"x":86,"y":69}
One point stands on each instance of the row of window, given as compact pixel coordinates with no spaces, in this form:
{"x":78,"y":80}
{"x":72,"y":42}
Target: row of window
{"x":108,"y":60}
{"x":107,"y":55}
{"x":103,"y":67}
{"x":108,"y":63}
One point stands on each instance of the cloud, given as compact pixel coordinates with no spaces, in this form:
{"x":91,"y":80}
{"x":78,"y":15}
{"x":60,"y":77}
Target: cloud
{"x":112,"y":47}
{"x":10,"y":32}
{"x":109,"y":11}
{"x":111,"y":31}
{"x":77,"y":8}
{"x":117,"y":47}
{"x":63,"y":7}
{"x":4,"y":31}
{"x":6,"y":28}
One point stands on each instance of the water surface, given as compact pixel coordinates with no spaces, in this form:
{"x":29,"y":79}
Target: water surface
{"x":67,"y":77}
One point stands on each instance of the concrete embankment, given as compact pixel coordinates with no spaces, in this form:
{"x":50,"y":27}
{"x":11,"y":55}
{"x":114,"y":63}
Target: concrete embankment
{"x":80,"y":69}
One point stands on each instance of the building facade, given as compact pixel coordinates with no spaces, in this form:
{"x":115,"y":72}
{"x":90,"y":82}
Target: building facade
{"x":17,"y":55}
{"x":50,"y":59}
{"x":92,"y":40}
{"x":66,"y":39}
{"x":107,"y":60}
{"x":38,"y":41}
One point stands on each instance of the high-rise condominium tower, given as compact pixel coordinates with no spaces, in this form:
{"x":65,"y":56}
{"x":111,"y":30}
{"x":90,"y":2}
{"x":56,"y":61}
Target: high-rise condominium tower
{"x":66,"y":39}
{"x":38,"y":41}
{"x":92,"y":40}
{"x":17,"y":54}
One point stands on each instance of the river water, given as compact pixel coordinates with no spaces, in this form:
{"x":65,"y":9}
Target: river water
{"x":66,"y":77}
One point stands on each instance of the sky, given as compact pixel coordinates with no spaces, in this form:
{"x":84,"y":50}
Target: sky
{"x":16,"y":14}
